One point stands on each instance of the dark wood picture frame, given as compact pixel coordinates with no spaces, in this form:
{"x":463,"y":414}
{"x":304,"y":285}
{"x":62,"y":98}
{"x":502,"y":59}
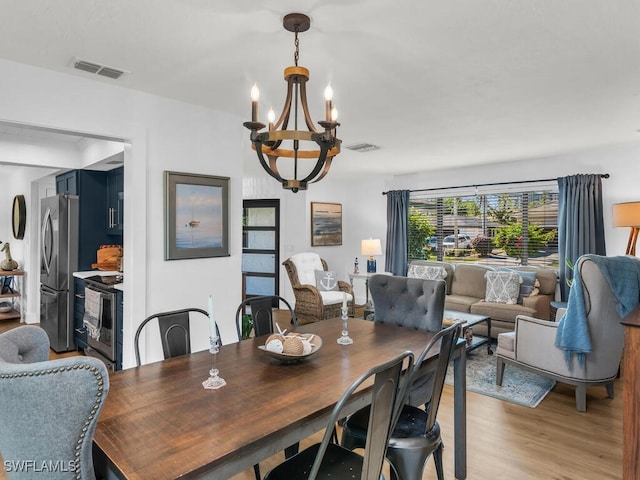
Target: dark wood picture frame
{"x":326,"y":224}
{"x":196,"y":216}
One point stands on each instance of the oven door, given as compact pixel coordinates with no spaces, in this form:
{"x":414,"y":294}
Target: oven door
{"x":106,"y":344}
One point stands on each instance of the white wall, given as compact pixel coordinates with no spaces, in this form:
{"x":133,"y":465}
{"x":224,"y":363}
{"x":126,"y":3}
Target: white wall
{"x":161,"y":135}
{"x":363,"y":216}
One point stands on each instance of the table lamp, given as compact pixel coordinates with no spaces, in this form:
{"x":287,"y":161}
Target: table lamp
{"x":628,"y":215}
{"x":371,"y":247}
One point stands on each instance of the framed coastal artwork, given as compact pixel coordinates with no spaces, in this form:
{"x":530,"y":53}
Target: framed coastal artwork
{"x":326,"y":224}
{"x":196,"y":216}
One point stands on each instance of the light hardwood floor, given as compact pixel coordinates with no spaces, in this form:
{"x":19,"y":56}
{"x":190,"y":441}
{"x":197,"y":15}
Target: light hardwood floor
{"x":506,"y":441}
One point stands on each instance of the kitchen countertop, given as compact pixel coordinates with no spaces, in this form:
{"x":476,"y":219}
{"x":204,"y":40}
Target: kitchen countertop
{"x":91,"y":273}
{"x":102,"y":273}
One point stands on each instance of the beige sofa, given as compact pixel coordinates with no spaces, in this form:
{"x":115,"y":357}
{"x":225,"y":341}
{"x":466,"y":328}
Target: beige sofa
{"x":466,"y":292}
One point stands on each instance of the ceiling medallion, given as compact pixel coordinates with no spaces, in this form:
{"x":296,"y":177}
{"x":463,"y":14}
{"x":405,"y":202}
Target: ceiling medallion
{"x":278,"y":141}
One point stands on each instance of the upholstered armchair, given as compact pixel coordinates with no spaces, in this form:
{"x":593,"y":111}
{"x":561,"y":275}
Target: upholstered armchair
{"x":48,"y":409}
{"x":314,"y":301}
{"x":532,"y":345}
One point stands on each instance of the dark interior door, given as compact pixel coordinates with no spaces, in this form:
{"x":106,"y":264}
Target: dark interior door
{"x":261,"y":247}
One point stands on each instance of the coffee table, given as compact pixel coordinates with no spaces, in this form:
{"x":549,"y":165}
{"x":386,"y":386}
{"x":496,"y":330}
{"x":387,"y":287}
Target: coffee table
{"x":468,"y":320}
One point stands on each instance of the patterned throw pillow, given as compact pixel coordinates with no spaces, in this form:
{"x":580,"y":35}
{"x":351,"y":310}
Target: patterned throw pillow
{"x":502,"y":287}
{"x":326,"y":281}
{"x":427,"y":272}
{"x":526,"y":286}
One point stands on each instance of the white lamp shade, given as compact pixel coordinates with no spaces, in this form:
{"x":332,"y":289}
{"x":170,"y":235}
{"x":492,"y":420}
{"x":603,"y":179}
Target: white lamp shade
{"x":626,"y":214}
{"x":371,"y":247}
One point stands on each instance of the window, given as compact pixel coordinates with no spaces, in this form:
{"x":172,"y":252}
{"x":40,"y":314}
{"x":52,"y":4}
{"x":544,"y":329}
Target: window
{"x":499,"y":225}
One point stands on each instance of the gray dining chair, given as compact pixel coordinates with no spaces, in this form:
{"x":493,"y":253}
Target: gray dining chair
{"x":48,"y":408}
{"x":416,"y":433}
{"x":328,"y":460}
{"x":175,"y":332}
{"x":413,"y":303}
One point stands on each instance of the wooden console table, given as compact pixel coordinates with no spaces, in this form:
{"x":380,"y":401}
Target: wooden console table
{"x":631,"y":396}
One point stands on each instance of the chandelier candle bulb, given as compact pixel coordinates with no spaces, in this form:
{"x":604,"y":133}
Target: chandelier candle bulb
{"x":334,"y":114}
{"x":328,"y":97}
{"x":271,"y":116}
{"x":255,"y":95}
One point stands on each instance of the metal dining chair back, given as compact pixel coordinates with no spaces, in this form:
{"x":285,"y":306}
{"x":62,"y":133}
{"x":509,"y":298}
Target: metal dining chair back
{"x":416,"y":433}
{"x":262,"y":321}
{"x":262,"y":314}
{"x":175,"y":332}
{"x":328,"y":460}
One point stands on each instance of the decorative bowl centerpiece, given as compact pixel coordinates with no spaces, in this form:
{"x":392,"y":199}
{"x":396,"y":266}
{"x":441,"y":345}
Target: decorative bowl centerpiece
{"x":292,"y":347}
{"x":5,"y":307}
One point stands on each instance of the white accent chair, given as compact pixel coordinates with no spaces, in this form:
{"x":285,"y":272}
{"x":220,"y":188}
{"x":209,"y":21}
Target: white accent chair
{"x":532,"y":345}
{"x":312,"y":304}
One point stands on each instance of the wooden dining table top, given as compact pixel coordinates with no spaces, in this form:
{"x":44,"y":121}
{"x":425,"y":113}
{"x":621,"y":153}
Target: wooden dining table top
{"x":159,"y":422}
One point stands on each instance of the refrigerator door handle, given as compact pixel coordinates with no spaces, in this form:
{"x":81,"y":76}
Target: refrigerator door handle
{"x":46,"y":252}
{"x":48,"y":291}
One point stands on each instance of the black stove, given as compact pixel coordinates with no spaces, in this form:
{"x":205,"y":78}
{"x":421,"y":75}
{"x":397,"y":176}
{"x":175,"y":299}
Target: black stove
{"x":104,"y":280}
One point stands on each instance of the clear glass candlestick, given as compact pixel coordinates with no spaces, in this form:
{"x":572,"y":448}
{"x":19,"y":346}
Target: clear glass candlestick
{"x":214,"y":381}
{"x":344,"y":339}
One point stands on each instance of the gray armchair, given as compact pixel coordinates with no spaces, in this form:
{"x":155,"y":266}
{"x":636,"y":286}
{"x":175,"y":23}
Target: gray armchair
{"x":532,"y":345}
{"x":48,"y":409}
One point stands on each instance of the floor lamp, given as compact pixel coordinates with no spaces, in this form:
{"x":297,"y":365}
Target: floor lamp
{"x":628,"y":215}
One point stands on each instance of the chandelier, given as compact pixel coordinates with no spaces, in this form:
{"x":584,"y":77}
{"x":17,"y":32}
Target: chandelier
{"x":280,"y":141}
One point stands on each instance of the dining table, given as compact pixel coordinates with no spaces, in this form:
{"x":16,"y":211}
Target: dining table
{"x":159,"y":422}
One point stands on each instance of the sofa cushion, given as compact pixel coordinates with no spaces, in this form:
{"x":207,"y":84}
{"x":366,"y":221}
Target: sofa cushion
{"x":469,"y":281}
{"x":326,"y":280}
{"x":502,"y":287}
{"x":459,"y":303}
{"x":306,"y":264}
{"x":427,"y":272}
{"x":334,"y":297}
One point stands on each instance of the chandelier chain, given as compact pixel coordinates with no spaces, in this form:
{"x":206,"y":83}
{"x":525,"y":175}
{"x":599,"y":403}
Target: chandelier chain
{"x":296,"y":55}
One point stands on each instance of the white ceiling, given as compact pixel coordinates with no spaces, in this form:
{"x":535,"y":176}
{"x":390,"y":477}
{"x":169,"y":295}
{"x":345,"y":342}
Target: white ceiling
{"x":434,"y":83}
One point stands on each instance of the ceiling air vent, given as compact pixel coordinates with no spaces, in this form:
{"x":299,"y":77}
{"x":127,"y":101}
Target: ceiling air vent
{"x":363,"y":147}
{"x":98,"y":69}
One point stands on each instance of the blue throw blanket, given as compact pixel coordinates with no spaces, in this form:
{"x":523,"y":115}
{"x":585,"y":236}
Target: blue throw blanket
{"x":623,"y":276}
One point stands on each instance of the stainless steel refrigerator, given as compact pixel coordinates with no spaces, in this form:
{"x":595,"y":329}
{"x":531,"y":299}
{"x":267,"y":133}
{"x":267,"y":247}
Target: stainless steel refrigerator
{"x":58,"y":261}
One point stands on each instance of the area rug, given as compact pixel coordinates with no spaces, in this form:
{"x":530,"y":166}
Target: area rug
{"x":518,"y":386}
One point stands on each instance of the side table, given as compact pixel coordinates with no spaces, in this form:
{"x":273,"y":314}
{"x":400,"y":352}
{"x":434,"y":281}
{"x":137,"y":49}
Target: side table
{"x":368,"y":306}
{"x":555,"y":306}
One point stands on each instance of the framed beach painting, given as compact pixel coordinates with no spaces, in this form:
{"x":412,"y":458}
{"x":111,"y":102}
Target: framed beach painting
{"x":326,"y":224}
{"x":196,"y":216}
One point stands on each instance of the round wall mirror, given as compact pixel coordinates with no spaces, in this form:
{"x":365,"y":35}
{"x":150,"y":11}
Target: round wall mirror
{"x":19,"y":216}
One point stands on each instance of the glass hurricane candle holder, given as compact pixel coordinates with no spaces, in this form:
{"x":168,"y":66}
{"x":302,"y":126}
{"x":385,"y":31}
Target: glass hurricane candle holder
{"x":344,"y":339}
{"x":214,"y":381}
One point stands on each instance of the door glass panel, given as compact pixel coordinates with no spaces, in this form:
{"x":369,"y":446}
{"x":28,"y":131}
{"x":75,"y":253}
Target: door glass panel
{"x":259,"y":240}
{"x":258,"y":262}
{"x":259,"y":217}
{"x":260,"y":285}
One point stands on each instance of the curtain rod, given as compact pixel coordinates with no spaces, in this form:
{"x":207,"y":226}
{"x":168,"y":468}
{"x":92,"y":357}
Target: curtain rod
{"x":602,"y":175}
